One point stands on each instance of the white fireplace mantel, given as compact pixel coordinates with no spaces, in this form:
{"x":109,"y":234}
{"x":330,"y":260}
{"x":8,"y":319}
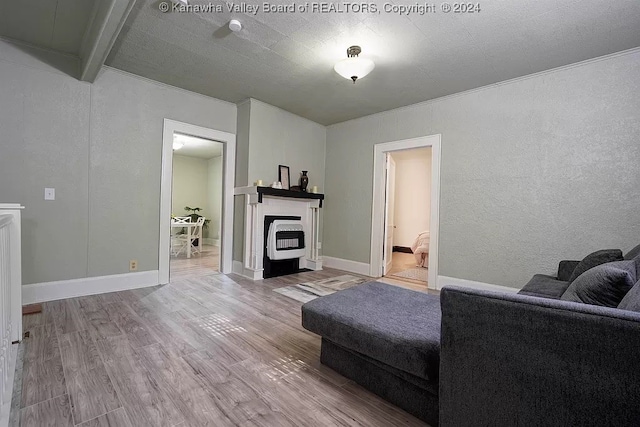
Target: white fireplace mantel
{"x":263,"y":201}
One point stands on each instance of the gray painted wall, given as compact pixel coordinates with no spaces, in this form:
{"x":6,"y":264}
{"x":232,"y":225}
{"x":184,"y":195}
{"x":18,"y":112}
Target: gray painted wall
{"x":190,"y":186}
{"x":100,"y":146}
{"x":277,"y":137}
{"x":533,"y":171}
{"x":267,"y":137}
{"x":197,"y":182}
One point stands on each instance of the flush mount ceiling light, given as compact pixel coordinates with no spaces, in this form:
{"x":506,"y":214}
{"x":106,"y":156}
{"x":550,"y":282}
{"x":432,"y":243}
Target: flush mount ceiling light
{"x":354,"y":67}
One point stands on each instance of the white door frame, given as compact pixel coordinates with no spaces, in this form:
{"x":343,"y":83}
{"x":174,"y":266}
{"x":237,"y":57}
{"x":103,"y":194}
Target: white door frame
{"x":389,"y":209}
{"x":377,"y":217}
{"x":228,"y":177}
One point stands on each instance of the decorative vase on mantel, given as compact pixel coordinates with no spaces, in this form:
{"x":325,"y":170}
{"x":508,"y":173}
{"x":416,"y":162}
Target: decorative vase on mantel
{"x":304,"y":181}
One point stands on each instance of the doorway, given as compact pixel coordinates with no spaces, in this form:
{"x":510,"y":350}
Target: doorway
{"x":196,"y":196}
{"x":205,"y":141}
{"x":387,"y":211}
{"x":407,"y":215}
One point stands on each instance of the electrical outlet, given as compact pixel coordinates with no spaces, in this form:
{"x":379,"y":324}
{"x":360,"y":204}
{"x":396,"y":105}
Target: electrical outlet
{"x":319,"y":245}
{"x":49,"y":193}
{"x":133,"y":265}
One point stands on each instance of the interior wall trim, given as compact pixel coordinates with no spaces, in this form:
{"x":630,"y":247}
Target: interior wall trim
{"x":51,"y":291}
{"x":347,"y":265}
{"x":378,"y":202}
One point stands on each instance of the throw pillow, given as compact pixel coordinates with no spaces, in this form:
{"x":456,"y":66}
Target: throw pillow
{"x":631,"y":300}
{"x":604,"y":284}
{"x":596,"y":258}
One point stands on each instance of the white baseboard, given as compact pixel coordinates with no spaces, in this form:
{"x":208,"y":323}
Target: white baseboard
{"x":346,"y":265}
{"x":311,"y":264}
{"x":452,"y":281}
{"x":51,"y":291}
{"x":6,"y":394}
{"x":238,"y":268}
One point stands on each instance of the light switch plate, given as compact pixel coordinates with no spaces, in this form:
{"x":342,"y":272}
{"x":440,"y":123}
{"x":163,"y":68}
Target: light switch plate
{"x":49,"y":193}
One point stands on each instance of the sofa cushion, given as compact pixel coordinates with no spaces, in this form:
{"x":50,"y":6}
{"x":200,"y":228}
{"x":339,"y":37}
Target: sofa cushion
{"x":633,"y":253}
{"x":392,"y":325}
{"x":604,"y":285}
{"x":594,"y":259}
{"x":566,"y":269}
{"x":544,"y":286}
{"x":631,"y":300}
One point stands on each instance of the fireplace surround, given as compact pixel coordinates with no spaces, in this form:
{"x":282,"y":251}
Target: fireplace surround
{"x":299,"y":212}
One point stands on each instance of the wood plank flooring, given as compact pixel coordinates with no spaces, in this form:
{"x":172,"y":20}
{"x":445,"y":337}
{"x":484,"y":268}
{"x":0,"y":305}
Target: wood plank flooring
{"x":212,"y":350}
{"x":200,"y":264}
{"x":401,"y":261}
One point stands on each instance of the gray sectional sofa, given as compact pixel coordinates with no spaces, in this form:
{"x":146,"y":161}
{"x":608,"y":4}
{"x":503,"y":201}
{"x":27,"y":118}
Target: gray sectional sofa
{"x":479,"y":358}
{"x":385,"y":338}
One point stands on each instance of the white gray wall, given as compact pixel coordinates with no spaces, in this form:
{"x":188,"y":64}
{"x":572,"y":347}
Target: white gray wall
{"x":190,"y":185}
{"x":412,"y":197}
{"x":533,"y":171}
{"x":267,"y":137}
{"x":100,"y":146}
{"x":277,"y":137}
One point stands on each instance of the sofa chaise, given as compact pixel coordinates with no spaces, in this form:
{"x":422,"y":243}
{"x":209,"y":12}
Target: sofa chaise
{"x":386,"y":339}
{"x":479,"y":358}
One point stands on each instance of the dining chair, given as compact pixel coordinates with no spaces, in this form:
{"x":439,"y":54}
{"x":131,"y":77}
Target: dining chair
{"x":182,"y":242}
{"x":197,"y":234}
{"x":181,"y":219}
{"x":178,"y":239}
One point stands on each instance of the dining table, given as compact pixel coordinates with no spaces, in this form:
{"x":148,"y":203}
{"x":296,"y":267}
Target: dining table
{"x":190,"y":226}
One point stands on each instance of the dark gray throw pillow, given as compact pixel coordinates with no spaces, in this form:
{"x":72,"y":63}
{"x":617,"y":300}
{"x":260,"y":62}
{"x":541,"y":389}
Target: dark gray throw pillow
{"x":604,"y":284}
{"x":596,"y":258}
{"x":631,"y":300}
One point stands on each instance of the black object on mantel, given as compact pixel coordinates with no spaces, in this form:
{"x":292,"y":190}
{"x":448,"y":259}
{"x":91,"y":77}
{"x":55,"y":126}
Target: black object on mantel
{"x":288,"y":193}
{"x":304,"y":181}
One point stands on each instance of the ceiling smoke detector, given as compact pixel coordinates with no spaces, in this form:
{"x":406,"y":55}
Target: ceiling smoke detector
{"x":354,"y":67}
{"x":235,"y":25}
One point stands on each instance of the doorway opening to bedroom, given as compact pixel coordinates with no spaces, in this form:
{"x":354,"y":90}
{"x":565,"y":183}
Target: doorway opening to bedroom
{"x":405,"y":212}
{"x":407,"y":216}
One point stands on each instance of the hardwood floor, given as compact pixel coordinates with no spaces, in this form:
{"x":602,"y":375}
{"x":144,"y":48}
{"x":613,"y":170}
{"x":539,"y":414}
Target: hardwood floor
{"x":211,"y":350}
{"x":201,"y":264}
{"x":401,"y":261}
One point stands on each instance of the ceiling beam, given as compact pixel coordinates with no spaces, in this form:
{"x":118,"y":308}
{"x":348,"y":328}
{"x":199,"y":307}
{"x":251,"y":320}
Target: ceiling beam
{"x":108,"y":18}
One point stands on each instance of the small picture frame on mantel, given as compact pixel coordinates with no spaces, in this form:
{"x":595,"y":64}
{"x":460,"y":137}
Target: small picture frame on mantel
{"x":283,"y":176}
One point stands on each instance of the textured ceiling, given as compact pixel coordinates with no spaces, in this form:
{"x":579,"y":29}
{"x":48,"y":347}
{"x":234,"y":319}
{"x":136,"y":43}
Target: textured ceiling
{"x":53,"y":24}
{"x":197,"y":147}
{"x":287,"y":59}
